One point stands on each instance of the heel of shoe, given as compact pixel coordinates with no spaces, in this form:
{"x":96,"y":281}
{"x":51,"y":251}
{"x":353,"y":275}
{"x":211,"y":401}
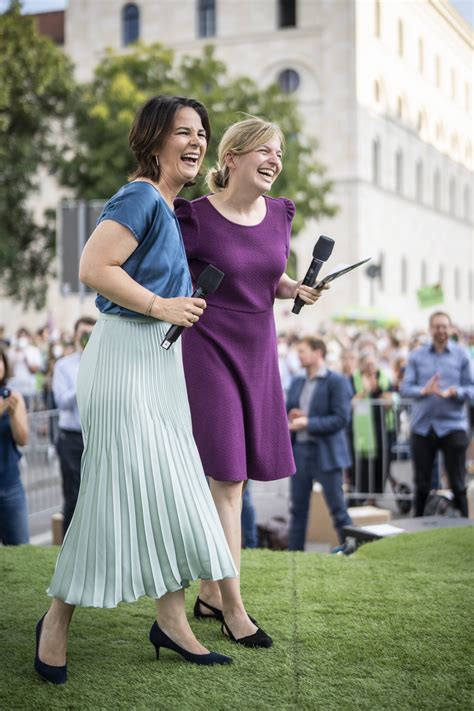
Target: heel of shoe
{"x":157,"y":649}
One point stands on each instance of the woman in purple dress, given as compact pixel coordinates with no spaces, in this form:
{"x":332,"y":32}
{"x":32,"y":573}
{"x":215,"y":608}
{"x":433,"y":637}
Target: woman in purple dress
{"x":230,"y":358}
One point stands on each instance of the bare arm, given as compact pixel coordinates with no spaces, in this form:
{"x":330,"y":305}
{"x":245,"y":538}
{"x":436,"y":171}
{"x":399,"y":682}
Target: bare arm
{"x":109,"y":246}
{"x":18,"y":418}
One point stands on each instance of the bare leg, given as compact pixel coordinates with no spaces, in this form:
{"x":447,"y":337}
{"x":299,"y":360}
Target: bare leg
{"x":171,"y":617}
{"x":54,"y":633}
{"x":225,"y":594}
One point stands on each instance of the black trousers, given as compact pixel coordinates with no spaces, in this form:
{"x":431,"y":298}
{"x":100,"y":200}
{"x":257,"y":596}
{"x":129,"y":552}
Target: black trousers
{"x":70,"y":447}
{"x":424,"y":449}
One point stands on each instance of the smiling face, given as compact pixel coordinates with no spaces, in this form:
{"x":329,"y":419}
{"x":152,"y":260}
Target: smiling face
{"x":259,"y":167}
{"x":183,"y":150}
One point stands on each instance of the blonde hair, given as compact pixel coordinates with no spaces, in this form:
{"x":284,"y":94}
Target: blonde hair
{"x":241,"y":137}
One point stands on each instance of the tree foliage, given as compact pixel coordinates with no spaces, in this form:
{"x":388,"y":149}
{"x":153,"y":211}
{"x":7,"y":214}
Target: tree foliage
{"x":99,"y":160}
{"x":35,"y":86}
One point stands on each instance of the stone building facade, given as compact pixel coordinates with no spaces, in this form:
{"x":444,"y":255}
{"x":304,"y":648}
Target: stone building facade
{"x":385,"y":86}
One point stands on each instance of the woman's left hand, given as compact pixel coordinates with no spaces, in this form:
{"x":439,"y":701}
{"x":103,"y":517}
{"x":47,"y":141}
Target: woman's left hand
{"x":308,"y":294}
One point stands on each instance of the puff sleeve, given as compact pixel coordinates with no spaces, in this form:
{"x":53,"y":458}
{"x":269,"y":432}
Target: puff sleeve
{"x":133,"y":207}
{"x":189,"y":224}
{"x":290,"y":213}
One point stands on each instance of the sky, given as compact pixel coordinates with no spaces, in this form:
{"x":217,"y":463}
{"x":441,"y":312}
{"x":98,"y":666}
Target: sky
{"x":464,"y":7}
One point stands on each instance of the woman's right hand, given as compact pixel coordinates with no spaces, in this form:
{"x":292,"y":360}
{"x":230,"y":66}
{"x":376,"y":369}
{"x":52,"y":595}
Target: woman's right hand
{"x":180,"y":311}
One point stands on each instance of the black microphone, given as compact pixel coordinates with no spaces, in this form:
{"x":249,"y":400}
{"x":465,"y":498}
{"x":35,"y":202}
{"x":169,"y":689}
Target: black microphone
{"x":321,"y":253}
{"x":209,"y":280}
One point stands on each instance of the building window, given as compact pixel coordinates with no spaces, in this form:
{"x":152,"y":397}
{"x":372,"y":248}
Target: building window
{"x":130,"y":23}
{"x":400,"y":108}
{"x":467,"y":203}
{"x":207,"y":18}
{"x":438,"y":71}
{"x":400,"y":38}
{"x":399,"y":172}
{"x":286,"y":13}
{"x":452,"y":197}
{"x":377,"y":92}
{"x":421,"y":56}
{"x":424,"y":277}
{"x":437,"y":190}
{"x":404,"y":276}
{"x":453,"y":84}
{"x":457,"y":284}
{"x":421,"y":121}
{"x":376,"y":162}
{"x":419,"y":181}
{"x":289,"y":81}
{"x":378,"y":17}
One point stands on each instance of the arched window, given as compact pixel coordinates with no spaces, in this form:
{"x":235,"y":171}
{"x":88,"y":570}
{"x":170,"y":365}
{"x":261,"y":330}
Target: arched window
{"x":399,"y":172}
{"x":452,"y":197}
{"x":286,"y":13}
{"x":376,"y":161}
{"x":130,"y":23}
{"x":289,"y":81}
{"x":467,"y":203}
{"x":404,"y":275}
{"x":400,"y":38}
{"x":421,"y":56}
{"x":419,"y":181}
{"x":377,"y":18}
{"x":207,"y":18}
{"x":437,"y":190}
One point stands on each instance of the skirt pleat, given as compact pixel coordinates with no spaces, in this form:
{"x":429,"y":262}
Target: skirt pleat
{"x":145,"y":522}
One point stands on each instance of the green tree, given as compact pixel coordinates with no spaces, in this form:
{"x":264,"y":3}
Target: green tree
{"x":35,"y":85}
{"x":99,"y":159}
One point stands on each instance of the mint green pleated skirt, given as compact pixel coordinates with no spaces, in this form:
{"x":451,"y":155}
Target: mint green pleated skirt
{"x":145,"y":522}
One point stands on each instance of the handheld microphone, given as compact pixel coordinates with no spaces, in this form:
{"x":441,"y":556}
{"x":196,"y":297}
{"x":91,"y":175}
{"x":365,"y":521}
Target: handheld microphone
{"x":321,"y":252}
{"x":209,"y":280}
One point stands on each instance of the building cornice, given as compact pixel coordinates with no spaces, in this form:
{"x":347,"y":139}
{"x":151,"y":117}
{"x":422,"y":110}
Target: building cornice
{"x":455,"y":20}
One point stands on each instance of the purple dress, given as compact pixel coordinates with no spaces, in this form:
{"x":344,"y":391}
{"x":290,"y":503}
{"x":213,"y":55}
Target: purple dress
{"x":230,"y":355}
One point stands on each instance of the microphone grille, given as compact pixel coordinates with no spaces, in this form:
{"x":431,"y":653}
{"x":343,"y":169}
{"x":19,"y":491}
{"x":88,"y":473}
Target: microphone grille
{"x":323,"y":248}
{"x":210,"y":279}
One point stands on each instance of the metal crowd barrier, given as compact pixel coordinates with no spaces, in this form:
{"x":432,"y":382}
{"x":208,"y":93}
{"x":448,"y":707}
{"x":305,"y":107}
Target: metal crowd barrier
{"x":40,"y":466}
{"x":379,"y":437}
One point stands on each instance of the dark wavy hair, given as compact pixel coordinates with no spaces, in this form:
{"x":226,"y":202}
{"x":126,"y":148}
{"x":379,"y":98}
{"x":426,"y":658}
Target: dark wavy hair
{"x":153,"y":124}
{"x":6,"y":367}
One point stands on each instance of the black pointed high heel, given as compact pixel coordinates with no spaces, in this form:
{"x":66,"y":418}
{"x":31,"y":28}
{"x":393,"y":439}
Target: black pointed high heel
{"x":216,"y":613}
{"x":257,"y":639}
{"x":159,"y":639}
{"x":55,"y":675}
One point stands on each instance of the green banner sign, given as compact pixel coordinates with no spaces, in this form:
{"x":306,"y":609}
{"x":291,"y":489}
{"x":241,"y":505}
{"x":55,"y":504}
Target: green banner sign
{"x":430,"y":296}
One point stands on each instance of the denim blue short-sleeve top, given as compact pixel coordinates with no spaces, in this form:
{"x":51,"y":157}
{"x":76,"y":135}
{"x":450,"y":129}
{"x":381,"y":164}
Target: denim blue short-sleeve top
{"x":159,"y":262}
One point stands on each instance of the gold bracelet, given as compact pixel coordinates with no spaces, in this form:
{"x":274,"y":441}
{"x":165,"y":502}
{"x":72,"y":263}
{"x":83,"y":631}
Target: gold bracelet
{"x":150,"y":305}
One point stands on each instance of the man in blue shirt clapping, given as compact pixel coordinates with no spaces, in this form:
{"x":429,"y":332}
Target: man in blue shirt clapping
{"x":439,"y":378}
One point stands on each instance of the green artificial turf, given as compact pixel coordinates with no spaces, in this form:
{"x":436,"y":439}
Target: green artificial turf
{"x":387,"y":628}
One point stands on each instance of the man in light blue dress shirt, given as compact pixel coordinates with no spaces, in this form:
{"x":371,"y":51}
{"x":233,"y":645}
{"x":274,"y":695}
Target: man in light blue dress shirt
{"x":70,"y":445}
{"x":439,"y":376}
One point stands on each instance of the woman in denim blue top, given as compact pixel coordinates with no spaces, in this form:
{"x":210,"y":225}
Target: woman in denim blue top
{"x":13,"y":432}
{"x":145,"y":522}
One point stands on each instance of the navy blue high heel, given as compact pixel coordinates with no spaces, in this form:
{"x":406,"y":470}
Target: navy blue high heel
{"x":56,"y":675}
{"x":159,"y":639}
